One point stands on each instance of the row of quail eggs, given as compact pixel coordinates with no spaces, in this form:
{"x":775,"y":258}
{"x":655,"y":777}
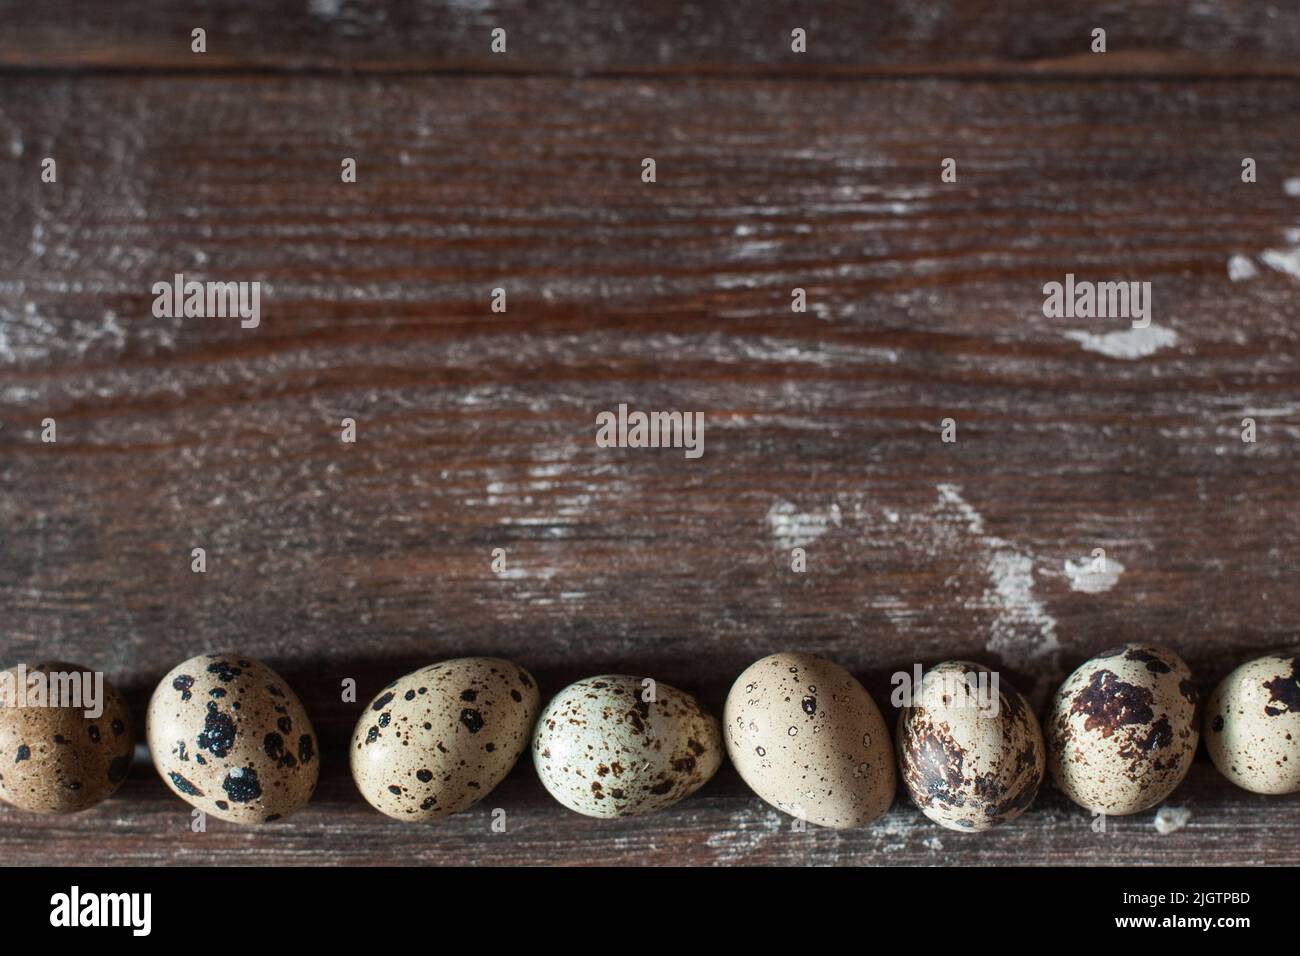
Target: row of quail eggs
{"x":229,"y":736}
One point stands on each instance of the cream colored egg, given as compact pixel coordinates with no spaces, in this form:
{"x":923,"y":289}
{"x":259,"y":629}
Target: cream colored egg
{"x":970,"y":750}
{"x":65,"y":738}
{"x":231,"y":738}
{"x":1252,"y":725}
{"x":619,"y":746}
{"x":438,"y":740}
{"x":808,"y":739}
{"x":1121,"y":731}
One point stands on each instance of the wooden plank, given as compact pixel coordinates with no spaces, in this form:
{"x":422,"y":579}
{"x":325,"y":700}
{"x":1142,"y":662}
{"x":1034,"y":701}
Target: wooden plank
{"x":568,"y":37}
{"x":476,"y":429}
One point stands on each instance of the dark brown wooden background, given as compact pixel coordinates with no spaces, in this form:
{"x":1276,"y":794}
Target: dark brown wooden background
{"x":476,"y":429}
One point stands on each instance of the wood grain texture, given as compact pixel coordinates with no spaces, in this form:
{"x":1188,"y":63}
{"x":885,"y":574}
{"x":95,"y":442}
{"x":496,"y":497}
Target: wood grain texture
{"x":577,"y":37}
{"x":476,"y":429}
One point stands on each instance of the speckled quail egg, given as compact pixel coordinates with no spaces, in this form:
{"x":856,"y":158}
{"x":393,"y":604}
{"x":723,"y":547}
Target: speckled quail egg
{"x":1252,"y":725}
{"x":231,"y":738}
{"x":619,"y":746}
{"x":808,"y":739}
{"x":970,"y":750}
{"x":1121,"y":731}
{"x":53,"y":757}
{"x":440,"y":739}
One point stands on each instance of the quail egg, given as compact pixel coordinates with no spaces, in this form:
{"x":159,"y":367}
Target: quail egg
{"x":440,"y":739}
{"x":970,"y":750}
{"x":1252,"y":725}
{"x":65,"y":737}
{"x":808,"y":739}
{"x":1121,"y":731}
{"x":231,"y":738}
{"x":619,"y":746}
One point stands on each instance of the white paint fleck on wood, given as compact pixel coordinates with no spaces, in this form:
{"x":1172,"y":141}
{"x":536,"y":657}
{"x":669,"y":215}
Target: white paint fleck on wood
{"x":1282,"y":260}
{"x":792,"y":528}
{"x":1090,"y":580}
{"x":1240,"y":268}
{"x":1023,"y":631}
{"x":1128,"y":344}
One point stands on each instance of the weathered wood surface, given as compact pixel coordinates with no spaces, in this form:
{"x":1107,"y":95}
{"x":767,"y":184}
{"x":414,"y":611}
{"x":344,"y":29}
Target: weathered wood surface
{"x":476,"y":429}
{"x":845,"y":37}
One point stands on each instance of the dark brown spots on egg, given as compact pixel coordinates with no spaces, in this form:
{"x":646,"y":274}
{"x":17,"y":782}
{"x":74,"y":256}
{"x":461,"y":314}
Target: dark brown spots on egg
{"x":1217,"y":724}
{"x":184,"y":786}
{"x":515,"y":696}
{"x":809,"y":705}
{"x":472,"y":720}
{"x":1284,"y":692}
{"x":382,"y":702}
{"x":306,"y":748}
{"x":24,"y":753}
{"x":285,"y":725}
{"x":1153,"y":662}
{"x":468,"y":696}
{"x":118,"y":727}
{"x":93,"y":732}
{"x":241,"y":785}
{"x":273,"y":744}
{"x":183,"y":683}
{"x":218,"y":734}
{"x":935,"y":768}
{"x":1108,"y":703}
{"x":224,"y":671}
{"x":1161,"y":736}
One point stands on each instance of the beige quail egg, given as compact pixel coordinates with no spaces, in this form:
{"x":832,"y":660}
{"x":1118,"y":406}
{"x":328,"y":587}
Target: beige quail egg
{"x":1252,"y":725}
{"x":970,"y":750}
{"x":440,"y":739}
{"x":808,"y":739}
{"x":231,"y":738}
{"x":65,"y":737}
{"x":1121,"y":731}
{"x":619,"y":746}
